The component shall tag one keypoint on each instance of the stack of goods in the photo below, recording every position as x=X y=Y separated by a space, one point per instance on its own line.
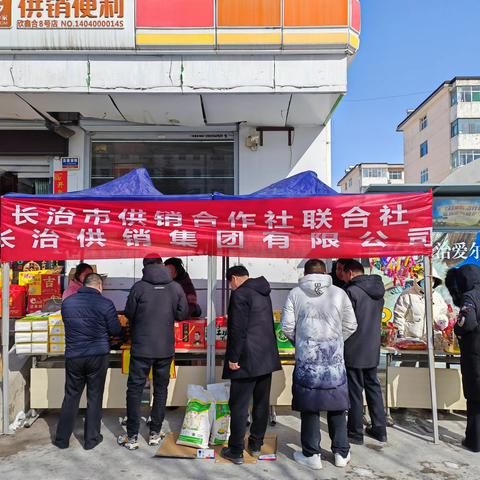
x=56 y=333
x=284 y=345
x=31 y=334
x=43 y=285
x=207 y=417
x=192 y=334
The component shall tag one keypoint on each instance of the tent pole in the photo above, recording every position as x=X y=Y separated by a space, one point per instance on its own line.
x=211 y=315
x=427 y=268
x=5 y=345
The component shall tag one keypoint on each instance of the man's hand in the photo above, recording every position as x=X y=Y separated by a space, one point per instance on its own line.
x=233 y=366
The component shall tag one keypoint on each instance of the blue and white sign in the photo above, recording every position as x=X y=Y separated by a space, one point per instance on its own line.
x=70 y=163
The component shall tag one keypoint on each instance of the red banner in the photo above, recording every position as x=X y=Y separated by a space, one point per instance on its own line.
x=323 y=227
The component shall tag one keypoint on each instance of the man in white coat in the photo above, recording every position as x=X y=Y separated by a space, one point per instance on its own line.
x=317 y=318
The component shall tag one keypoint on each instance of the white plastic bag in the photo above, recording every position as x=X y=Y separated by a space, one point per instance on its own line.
x=198 y=418
x=221 y=422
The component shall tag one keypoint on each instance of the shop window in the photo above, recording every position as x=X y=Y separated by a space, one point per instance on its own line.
x=249 y=13
x=175 y=167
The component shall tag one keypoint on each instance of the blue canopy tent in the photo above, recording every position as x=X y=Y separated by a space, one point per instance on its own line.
x=137 y=185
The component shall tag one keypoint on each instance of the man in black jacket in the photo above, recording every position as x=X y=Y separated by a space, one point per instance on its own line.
x=90 y=319
x=153 y=305
x=362 y=352
x=250 y=359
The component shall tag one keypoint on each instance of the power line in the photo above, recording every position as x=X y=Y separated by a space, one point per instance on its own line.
x=372 y=99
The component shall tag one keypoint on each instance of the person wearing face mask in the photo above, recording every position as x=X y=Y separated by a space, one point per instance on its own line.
x=464 y=287
x=409 y=311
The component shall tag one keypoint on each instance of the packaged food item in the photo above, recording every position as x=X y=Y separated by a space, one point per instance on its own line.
x=221 y=422
x=56 y=338
x=221 y=330
x=56 y=329
x=23 y=325
x=40 y=347
x=55 y=319
x=389 y=335
x=56 y=348
x=283 y=343
x=40 y=325
x=411 y=344
x=23 y=337
x=39 y=337
x=18 y=299
x=23 y=348
x=198 y=419
x=190 y=335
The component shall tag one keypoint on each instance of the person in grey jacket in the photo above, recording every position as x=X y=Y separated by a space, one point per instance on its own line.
x=153 y=305
x=318 y=317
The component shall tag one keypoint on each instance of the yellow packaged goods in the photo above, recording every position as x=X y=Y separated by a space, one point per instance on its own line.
x=23 y=325
x=23 y=348
x=56 y=330
x=55 y=319
x=39 y=337
x=39 y=347
x=57 y=348
x=23 y=337
x=40 y=325
x=57 y=339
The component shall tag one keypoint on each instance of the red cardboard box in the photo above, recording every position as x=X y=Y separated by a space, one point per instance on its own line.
x=51 y=284
x=18 y=301
x=37 y=302
x=190 y=335
x=221 y=333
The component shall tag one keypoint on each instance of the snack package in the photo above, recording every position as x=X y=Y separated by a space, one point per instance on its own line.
x=221 y=423
x=198 y=418
x=411 y=344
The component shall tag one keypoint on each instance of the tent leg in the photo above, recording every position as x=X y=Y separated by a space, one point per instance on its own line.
x=211 y=315
x=5 y=345
x=427 y=268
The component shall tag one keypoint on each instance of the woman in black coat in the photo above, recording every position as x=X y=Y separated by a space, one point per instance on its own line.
x=464 y=287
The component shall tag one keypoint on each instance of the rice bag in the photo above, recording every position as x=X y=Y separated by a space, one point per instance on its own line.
x=198 y=419
x=221 y=422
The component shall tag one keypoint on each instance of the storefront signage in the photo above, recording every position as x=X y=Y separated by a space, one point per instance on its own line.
x=457 y=212
x=70 y=163
x=328 y=227
x=48 y=24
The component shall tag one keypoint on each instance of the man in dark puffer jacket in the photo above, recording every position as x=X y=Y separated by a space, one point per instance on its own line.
x=153 y=305
x=90 y=319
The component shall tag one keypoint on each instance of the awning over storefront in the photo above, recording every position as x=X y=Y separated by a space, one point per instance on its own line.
x=297 y=217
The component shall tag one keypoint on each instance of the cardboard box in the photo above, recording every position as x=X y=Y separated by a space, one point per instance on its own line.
x=56 y=339
x=40 y=282
x=50 y=284
x=23 y=337
x=39 y=347
x=40 y=325
x=23 y=325
x=39 y=337
x=221 y=330
x=56 y=329
x=37 y=302
x=56 y=348
x=18 y=299
x=23 y=348
x=55 y=319
x=190 y=335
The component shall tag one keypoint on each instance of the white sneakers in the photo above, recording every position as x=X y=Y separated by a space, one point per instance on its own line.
x=314 y=462
x=342 y=462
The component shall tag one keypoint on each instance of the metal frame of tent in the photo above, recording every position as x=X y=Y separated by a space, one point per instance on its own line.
x=138 y=185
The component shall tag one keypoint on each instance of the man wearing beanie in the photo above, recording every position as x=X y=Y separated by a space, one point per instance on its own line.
x=153 y=305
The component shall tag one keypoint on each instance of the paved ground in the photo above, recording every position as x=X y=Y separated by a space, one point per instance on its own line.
x=30 y=455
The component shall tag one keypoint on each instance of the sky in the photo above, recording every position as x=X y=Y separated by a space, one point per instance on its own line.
x=408 y=48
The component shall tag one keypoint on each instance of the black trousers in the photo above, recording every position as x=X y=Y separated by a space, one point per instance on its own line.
x=472 y=434
x=241 y=391
x=337 y=430
x=139 y=370
x=358 y=381
x=89 y=371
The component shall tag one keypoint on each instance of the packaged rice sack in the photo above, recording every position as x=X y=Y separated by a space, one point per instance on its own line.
x=221 y=422
x=198 y=418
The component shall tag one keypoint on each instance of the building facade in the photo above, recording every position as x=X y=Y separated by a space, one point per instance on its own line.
x=358 y=178
x=208 y=95
x=443 y=133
